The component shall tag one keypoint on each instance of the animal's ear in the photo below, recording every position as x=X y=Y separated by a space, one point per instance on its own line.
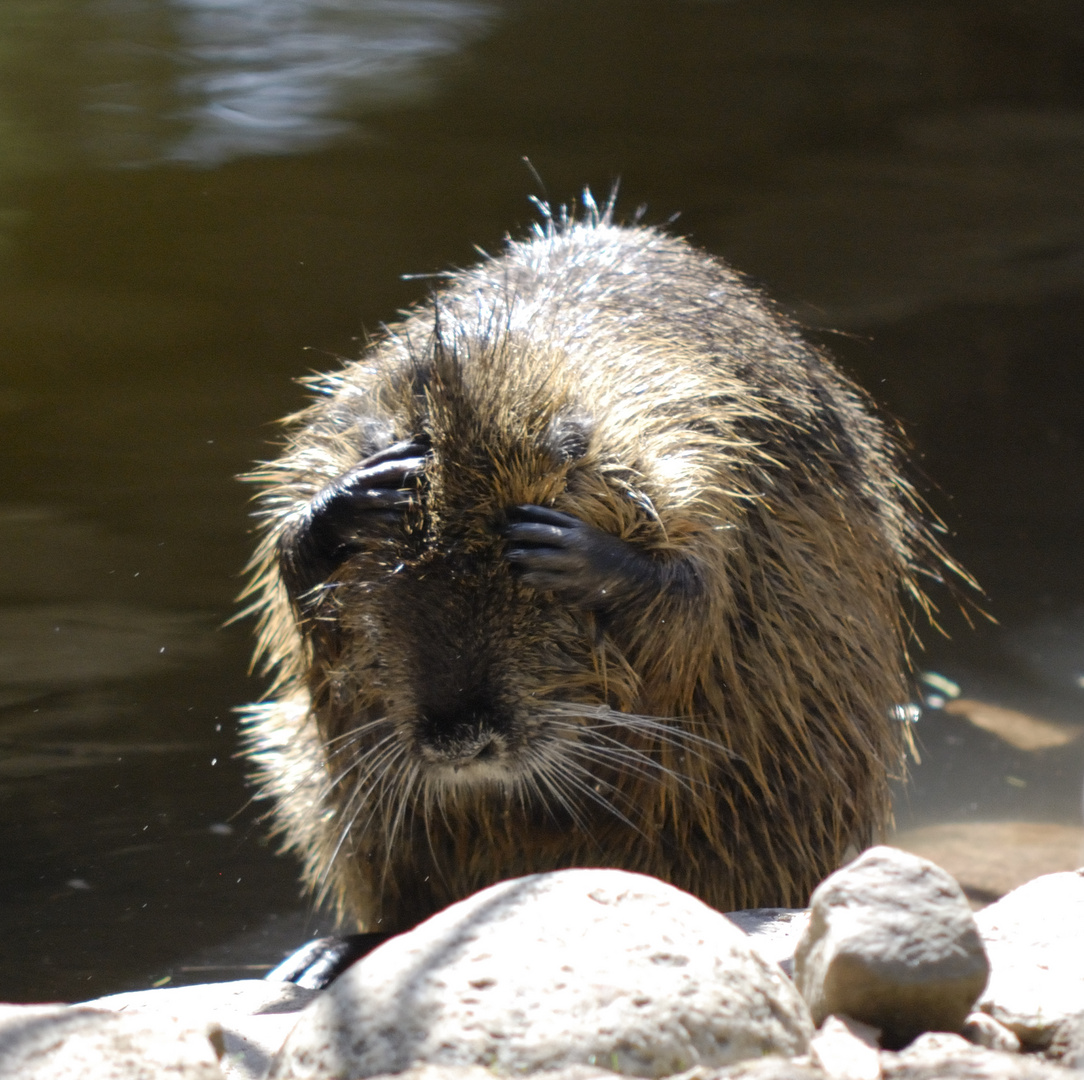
x=569 y=436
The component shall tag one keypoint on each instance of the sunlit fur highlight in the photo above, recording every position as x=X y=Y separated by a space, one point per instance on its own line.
x=732 y=733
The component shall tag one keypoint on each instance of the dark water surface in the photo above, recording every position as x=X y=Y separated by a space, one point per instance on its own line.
x=193 y=193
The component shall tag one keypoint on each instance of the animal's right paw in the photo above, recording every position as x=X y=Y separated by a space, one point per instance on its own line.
x=359 y=505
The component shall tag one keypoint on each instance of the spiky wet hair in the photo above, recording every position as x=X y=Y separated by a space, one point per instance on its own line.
x=730 y=731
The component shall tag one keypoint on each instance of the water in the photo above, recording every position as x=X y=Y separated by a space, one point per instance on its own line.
x=194 y=193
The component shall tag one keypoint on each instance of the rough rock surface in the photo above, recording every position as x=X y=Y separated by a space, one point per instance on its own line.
x=240 y=997
x=1067 y=1045
x=65 y=1042
x=596 y=967
x=1035 y=940
x=771 y=1068
x=938 y=1056
x=846 y=1049
x=891 y=942
x=254 y=1016
x=477 y=1072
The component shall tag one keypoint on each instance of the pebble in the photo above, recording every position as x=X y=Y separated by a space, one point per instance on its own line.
x=983 y=1030
x=892 y=942
x=846 y=1049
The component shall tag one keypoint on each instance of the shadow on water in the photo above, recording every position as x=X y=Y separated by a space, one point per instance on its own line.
x=192 y=193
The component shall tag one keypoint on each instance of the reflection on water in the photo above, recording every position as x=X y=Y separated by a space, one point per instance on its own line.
x=968 y=206
x=906 y=174
x=265 y=76
x=139 y=82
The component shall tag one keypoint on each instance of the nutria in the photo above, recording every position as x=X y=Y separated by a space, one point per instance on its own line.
x=590 y=560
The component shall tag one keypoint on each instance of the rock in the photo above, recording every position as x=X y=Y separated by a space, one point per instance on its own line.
x=770 y=1068
x=71 y=1042
x=254 y=1016
x=983 y=1030
x=241 y=997
x=891 y=942
x=477 y=1072
x=938 y=1056
x=1035 y=940
x=933 y=1043
x=774 y=932
x=1067 y=1045
x=587 y=967
x=846 y=1049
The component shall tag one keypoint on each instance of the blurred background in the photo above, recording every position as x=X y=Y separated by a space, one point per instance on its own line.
x=201 y=200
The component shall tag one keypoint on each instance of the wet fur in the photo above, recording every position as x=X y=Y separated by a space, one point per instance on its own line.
x=730 y=732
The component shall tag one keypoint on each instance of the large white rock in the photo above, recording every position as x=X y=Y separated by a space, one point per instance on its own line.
x=589 y=967
x=253 y=1016
x=1035 y=939
x=70 y=1042
x=892 y=942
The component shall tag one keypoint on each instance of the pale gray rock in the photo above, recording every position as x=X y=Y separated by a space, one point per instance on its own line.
x=773 y=931
x=932 y=1043
x=254 y=1016
x=940 y=1056
x=239 y=997
x=71 y=1042
x=983 y=1030
x=477 y=1072
x=588 y=967
x=846 y=1049
x=1035 y=940
x=1067 y=1045
x=769 y=1068
x=892 y=942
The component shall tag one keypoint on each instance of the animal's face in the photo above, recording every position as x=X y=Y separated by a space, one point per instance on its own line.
x=431 y=655
x=456 y=587
x=455 y=656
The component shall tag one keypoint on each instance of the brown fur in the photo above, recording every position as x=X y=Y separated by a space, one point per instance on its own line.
x=734 y=738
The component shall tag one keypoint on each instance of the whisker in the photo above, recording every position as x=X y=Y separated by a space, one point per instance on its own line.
x=570 y=774
x=546 y=774
x=367 y=760
x=361 y=793
x=403 y=800
x=602 y=717
x=591 y=744
x=633 y=761
x=357 y=731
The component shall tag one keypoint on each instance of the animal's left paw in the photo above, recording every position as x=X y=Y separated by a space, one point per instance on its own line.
x=556 y=552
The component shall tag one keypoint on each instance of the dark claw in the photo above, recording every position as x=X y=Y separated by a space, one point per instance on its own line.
x=318 y=964
x=366 y=501
x=408 y=448
x=555 y=552
x=544 y=515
